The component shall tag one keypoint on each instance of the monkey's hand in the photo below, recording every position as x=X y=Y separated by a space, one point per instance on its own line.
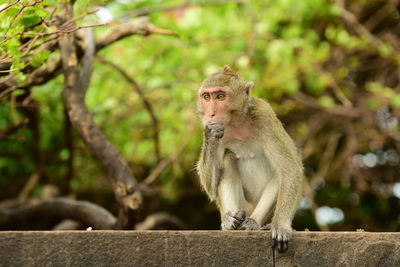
x=214 y=130
x=249 y=224
x=232 y=220
x=280 y=237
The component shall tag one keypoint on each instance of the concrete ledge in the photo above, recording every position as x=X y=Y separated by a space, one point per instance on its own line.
x=195 y=248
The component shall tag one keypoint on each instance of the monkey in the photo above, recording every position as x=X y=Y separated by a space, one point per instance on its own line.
x=248 y=165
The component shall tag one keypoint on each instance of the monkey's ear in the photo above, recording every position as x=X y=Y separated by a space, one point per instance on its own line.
x=249 y=85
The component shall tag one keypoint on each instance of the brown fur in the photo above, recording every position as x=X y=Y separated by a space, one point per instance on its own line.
x=266 y=180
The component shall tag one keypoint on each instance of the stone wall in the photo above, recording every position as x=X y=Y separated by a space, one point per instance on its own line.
x=195 y=248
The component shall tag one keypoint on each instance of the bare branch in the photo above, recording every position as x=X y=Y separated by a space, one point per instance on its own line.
x=126 y=188
x=29 y=186
x=337 y=110
x=67 y=225
x=63 y=31
x=43 y=74
x=140 y=26
x=378 y=16
x=8 y=6
x=314 y=207
x=63 y=208
x=336 y=89
x=145 y=101
x=357 y=26
x=161 y=221
x=69 y=144
x=5 y=71
x=159 y=8
x=167 y=161
x=7 y=131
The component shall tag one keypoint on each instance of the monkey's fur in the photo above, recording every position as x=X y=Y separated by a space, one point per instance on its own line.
x=248 y=164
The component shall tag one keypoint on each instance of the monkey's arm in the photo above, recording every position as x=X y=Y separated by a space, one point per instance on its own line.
x=288 y=181
x=209 y=171
x=289 y=171
x=268 y=198
x=209 y=165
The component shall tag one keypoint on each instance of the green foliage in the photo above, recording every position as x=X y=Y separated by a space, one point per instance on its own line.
x=19 y=24
x=289 y=48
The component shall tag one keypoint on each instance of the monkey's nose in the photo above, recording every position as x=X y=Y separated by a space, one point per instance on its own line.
x=212 y=116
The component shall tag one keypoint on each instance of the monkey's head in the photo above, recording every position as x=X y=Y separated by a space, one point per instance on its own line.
x=222 y=96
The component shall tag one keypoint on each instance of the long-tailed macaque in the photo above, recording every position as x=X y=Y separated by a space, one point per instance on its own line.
x=248 y=164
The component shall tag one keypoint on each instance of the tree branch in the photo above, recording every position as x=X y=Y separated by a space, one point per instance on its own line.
x=41 y=75
x=380 y=14
x=10 y=129
x=63 y=31
x=69 y=145
x=139 y=26
x=23 y=213
x=126 y=188
x=9 y=5
x=350 y=111
x=146 y=103
x=159 y=8
x=357 y=26
x=29 y=186
x=167 y=161
x=161 y=221
x=67 y=225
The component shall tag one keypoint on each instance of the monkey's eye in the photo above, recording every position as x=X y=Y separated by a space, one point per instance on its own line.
x=206 y=96
x=221 y=96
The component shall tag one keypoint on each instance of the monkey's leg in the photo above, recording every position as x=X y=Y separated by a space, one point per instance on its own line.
x=231 y=197
x=264 y=206
x=263 y=209
x=231 y=202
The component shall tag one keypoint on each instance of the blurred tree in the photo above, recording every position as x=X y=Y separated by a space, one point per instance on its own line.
x=329 y=68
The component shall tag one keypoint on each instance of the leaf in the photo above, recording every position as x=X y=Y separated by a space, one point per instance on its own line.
x=326 y=101
x=30 y=20
x=18 y=92
x=374 y=87
x=17 y=65
x=396 y=101
x=373 y=104
x=385 y=50
x=39 y=58
x=12 y=11
x=42 y=12
x=64 y=154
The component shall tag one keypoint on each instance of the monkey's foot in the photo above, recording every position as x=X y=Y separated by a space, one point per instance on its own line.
x=249 y=224
x=280 y=238
x=266 y=227
x=233 y=219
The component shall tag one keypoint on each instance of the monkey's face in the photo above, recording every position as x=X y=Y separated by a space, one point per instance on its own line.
x=224 y=97
x=214 y=104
